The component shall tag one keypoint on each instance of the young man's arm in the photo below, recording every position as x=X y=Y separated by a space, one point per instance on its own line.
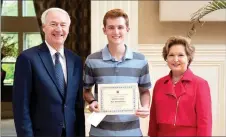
x=145 y=103
x=87 y=87
x=88 y=96
x=144 y=85
x=144 y=97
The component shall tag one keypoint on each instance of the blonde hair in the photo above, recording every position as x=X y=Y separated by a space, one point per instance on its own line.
x=175 y=40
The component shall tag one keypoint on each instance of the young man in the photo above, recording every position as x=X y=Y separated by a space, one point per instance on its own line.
x=116 y=63
x=47 y=90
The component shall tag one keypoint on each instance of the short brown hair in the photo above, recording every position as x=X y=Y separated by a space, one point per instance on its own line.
x=115 y=13
x=175 y=40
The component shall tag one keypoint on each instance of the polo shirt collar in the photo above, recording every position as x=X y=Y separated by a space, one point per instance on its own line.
x=107 y=55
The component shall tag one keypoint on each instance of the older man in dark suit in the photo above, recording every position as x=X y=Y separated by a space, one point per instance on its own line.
x=47 y=92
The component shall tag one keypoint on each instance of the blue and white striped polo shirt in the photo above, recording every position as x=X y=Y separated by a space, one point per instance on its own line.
x=102 y=68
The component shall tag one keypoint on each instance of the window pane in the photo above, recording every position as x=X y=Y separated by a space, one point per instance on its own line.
x=9 y=69
x=9 y=47
x=9 y=52
x=32 y=39
x=28 y=8
x=10 y=8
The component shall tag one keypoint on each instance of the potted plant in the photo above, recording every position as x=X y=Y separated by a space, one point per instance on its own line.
x=8 y=49
x=199 y=14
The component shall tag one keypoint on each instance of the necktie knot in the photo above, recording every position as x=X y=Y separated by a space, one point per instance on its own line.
x=57 y=56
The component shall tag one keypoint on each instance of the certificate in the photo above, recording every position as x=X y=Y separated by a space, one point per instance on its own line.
x=116 y=99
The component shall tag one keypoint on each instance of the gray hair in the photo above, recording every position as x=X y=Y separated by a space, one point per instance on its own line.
x=44 y=14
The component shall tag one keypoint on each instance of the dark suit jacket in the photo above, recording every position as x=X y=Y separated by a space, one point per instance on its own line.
x=38 y=105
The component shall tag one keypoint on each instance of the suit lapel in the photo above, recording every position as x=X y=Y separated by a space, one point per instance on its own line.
x=48 y=63
x=70 y=68
x=168 y=88
x=182 y=87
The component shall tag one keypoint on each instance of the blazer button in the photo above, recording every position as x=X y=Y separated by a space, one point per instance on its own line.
x=65 y=106
x=61 y=123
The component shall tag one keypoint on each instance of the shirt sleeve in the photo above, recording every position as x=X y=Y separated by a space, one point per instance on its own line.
x=88 y=75
x=144 y=79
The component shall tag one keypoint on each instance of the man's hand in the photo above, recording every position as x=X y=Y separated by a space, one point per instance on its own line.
x=143 y=112
x=94 y=107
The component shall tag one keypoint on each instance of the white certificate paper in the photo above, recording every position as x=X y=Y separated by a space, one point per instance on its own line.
x=95 y=118
x=116 y=99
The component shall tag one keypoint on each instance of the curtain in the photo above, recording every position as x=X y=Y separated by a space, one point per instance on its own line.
x=79 y=37
x=1 y=6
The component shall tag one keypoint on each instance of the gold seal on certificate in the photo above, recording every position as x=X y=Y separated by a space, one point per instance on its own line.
x=118 y=98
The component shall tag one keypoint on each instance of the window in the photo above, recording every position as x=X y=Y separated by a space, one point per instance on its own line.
x=9 y=42
x=25 y=33
x=10 y=8
x=28 y=9
x=31 y=39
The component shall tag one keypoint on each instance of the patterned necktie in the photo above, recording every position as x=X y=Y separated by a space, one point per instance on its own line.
x=59 y=73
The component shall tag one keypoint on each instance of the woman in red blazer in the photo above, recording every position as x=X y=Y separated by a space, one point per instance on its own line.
x=181 y=101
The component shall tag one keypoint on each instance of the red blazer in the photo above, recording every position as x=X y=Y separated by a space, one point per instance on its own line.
x=187 y=113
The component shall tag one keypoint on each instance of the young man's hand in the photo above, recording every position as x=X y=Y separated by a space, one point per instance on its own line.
x=143 y=112
x=94 y=107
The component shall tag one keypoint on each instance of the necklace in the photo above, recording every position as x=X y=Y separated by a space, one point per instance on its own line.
x=175 y=80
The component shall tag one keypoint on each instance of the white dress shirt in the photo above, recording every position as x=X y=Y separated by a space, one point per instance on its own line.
x=62 y=59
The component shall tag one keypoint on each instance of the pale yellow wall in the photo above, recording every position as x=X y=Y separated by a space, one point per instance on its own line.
x=152 y=31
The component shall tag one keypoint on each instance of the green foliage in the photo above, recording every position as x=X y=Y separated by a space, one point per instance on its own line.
x=8 y=49
x=10 y=8
x=8 y=46
x=199 y=14
x=9 y=68
x=212 y=6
